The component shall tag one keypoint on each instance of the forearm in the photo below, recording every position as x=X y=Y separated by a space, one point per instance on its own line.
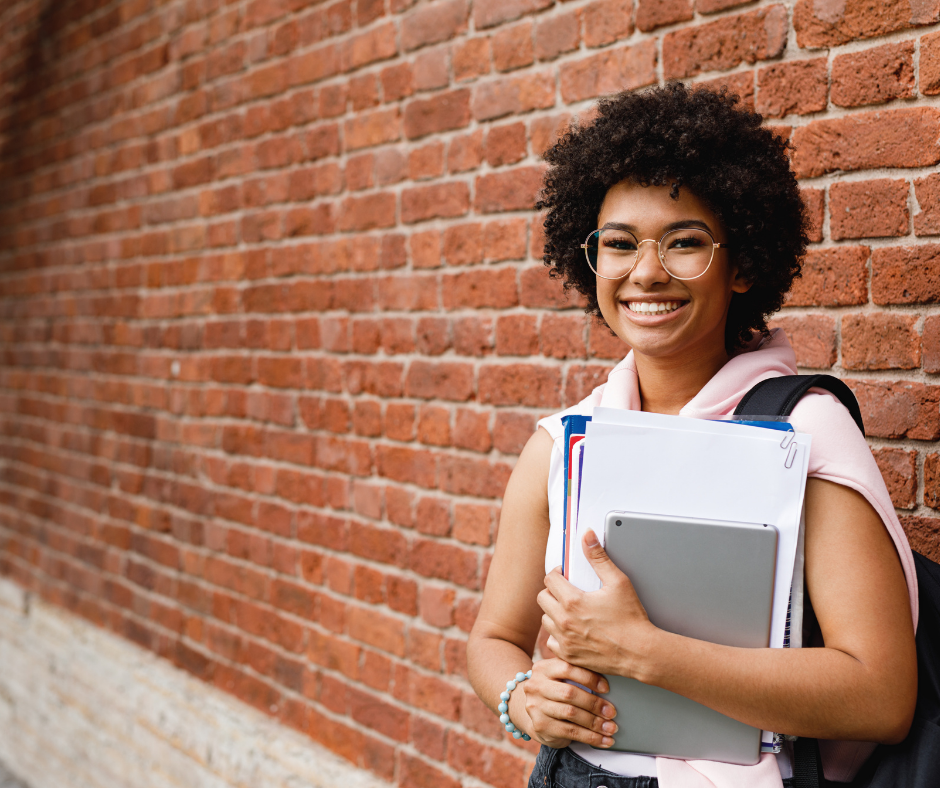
x=491 y=662
x=819 y=692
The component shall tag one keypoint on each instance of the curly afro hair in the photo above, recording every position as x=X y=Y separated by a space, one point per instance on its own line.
x=688 y=138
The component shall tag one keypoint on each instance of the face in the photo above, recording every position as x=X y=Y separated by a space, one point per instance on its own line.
x=691 y=315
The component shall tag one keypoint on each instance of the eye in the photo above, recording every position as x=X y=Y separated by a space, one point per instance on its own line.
x=682 y=239
x=618 y=242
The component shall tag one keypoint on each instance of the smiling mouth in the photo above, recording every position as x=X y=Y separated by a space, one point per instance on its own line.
x=654 y=307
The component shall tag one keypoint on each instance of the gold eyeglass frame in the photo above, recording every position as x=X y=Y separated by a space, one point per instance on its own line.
x=659 y=249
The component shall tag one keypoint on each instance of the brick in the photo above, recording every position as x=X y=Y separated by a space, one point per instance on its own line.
x=442 y=112
x=898 y=410
x=899 y=470
x=432 y=68
x=610 y=71
x=471 y=58
x=417 y=772
x=832 y=277
x=873 y=76
x=813 y=338
x=402 y=596
x=546 y=131
x=932 y=481
x=517 y=335
x=463 y=244
x=367 y=212
x=397 y=82
x=432 y=516
x=376 y=629
x=425 y=249
x=429 y=738
x=906 y=275
x=513 y=95
x=520 y=384
x=403 y=464
x=815 y=202
x=512 y=430
x=930 y=64
x=880 y=341
x=470 y=756
x=505 y=144
x=437 y=605
x=424 y=648
x=607 y=21
x=426 y=162
x=433 y=336
x=868 y=209
x=471 y=476
x=513 y=190
x=932 y=344
x=725 y=43
x=433 y=22
x=475 y=289
x=582 y=379
x=927 y=200
x=563 y=336
x=798 y=87
x=465 y=152
x=471 y=430
x=740 y=85
x=923 y=533
x=886 y=138
x=440 y=200
x=711 y=6
x=431 y=558
x=364 y=92
x=473 y=523
x=818 y=25
x=489 y=13
x=451 y=381
x=512 y=47
x=651 y=14
x=377 y=43
x=555 y=35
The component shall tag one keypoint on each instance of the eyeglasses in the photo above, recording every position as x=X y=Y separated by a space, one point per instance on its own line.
x=685 y=253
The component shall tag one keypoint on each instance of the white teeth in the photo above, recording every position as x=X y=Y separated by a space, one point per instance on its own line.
x=651 y=308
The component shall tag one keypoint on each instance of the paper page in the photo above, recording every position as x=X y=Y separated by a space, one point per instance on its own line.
x=693 y=468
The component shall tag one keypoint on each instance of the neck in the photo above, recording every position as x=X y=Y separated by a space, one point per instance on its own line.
x=668 y=384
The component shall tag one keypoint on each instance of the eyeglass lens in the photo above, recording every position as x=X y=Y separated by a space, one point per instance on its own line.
x=685 y=253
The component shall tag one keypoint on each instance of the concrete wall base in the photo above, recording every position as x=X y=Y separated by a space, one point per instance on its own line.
x=83 y=708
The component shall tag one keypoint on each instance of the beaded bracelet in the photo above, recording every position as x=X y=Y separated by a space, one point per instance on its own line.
x=504 y=706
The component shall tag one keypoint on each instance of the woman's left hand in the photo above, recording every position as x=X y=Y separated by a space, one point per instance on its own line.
x=606 y=631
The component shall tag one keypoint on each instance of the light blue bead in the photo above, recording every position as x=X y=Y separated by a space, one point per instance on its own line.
x=529 y=674
x=517 y=734
x=510 y=727
x=526 y=737
x=510 y=685
x=521 y=677
x=503 y=708
x=504 y=695
x=504 y=718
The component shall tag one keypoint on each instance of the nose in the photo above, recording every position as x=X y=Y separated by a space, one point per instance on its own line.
x=648 y=269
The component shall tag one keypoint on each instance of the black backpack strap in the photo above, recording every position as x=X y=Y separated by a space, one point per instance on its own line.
x=778 y=396
x=807 y=766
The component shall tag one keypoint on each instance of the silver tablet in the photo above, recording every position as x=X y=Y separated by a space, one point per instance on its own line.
x=706 y=579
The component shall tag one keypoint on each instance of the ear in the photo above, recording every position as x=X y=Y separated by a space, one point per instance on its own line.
x=738 y=283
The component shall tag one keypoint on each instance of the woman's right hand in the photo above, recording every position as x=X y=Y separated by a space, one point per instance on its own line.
x=560 y=713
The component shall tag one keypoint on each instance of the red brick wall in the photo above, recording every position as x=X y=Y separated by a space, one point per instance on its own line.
x=275 y=327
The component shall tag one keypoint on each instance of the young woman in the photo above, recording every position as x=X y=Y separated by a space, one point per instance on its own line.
x=677 y=216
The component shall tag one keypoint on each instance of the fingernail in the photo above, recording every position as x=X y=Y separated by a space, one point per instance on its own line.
x=609 y=727
x=607 y=742
x=607 y=711
x=603 y=686
x=591 y=538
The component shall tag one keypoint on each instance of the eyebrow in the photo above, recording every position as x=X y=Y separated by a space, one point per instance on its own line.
x=682 y=223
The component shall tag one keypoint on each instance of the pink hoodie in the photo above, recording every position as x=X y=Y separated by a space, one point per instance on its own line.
x=839 y=453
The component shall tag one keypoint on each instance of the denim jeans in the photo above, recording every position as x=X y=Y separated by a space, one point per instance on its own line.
x=564 y=769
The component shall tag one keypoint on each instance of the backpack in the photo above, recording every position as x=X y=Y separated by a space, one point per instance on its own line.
x=915 y=762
